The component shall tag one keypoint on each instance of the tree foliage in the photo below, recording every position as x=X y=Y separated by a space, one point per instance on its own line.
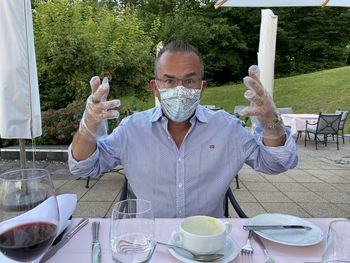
x=75 y=40
x=78 y=39
x=311 y=39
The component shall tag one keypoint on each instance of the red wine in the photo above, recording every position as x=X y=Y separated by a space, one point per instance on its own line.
x=27 y=242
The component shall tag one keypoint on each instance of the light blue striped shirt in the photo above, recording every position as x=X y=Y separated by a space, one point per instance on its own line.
x=192 y=179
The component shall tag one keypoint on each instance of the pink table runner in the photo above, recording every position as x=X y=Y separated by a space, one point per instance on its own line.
x=78 y=249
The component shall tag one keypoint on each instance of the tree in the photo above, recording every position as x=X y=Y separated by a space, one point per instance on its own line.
x=75 y=40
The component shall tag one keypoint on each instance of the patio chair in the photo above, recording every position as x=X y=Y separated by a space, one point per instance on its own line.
x=327 y=124
x=237 y=112
x=127 y=193
x=342 y=122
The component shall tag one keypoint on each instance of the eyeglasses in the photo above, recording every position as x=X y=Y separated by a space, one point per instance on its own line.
x=191 y=83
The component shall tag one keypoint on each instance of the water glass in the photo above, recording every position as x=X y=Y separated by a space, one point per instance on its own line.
x=337 y=245
x=132 y=231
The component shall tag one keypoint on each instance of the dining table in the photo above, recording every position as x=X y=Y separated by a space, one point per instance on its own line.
x=78 y=249
x=297 y=122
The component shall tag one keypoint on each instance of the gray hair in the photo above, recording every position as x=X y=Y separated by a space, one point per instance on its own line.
x=179 y=46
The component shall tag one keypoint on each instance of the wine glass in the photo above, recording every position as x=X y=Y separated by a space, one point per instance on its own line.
x=337 y=244
x=132 y=231
x=29 y=216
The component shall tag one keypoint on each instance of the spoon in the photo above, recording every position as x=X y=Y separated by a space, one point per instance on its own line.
x=126 y=246
x=198 y=257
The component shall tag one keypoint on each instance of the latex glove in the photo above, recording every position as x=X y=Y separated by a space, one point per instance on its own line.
x=262 y=109
x=94 y=124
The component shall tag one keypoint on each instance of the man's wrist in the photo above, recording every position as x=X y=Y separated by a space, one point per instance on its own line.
x=277 y=124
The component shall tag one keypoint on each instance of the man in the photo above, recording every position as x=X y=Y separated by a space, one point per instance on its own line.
x=181 y=156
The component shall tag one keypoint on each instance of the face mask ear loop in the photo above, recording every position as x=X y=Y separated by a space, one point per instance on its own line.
x=158 y=91
x=202 y=82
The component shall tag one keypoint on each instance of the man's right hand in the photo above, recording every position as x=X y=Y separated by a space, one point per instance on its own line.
x=93 y=124
x=98 y=110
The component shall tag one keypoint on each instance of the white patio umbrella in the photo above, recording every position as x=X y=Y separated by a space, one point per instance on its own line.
x=267 y=48
x=281 y=3
x=20 y=115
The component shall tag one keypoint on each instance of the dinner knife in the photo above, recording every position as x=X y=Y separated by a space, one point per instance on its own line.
x=53 y=249
x=96 y=246
x=274 y=227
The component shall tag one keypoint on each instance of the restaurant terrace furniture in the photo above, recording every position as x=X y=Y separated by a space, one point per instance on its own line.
x=212 y=107
x=287 y=110
x=327 y=124
x=297 y=122
x=342 y=121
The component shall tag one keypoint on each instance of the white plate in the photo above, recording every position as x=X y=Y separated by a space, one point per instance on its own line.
x=231 y=251
x=292 y=237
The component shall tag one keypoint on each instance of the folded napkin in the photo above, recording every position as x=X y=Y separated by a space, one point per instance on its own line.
x=66 y=205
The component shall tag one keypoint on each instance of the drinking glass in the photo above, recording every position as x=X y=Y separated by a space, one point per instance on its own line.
x=29 y=214
x=337 y=245
x=132 y=231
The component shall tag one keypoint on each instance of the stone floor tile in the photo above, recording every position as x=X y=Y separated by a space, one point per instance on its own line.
x=244 y=196
x=59 y=183
x=259 y=186
x=280 y=178
x=331 y=178
x=320 y=187
x=250 y=209
x=271 y=197
x=91 y=209
x=335 y=197
x=345 y=207
x=294 y=187
x=323 y=210
x=342 y=187
x=251 y=177
x=306 y=179
x=306 y=197
x=285 y=208
x=100 y=195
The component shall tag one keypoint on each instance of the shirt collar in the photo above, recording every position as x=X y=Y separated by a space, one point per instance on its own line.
x=156 y=114
x=199 y=114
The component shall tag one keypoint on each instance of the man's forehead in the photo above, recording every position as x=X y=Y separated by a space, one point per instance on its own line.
x=180 y=55
x=178 y=62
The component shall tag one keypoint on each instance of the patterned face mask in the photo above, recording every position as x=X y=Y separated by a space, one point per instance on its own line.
x=179 y=103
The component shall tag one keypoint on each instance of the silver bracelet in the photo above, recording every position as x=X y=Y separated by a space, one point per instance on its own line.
x=276 y=125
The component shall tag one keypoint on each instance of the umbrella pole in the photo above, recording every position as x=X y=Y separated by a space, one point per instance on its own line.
x=22 y=152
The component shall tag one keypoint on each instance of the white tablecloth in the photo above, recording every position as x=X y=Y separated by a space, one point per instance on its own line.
x=297 y=122
x=78 y=249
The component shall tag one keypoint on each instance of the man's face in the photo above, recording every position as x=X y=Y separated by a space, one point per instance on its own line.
x=180 y=66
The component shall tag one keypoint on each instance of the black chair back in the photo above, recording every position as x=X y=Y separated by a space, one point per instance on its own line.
x=328 y=124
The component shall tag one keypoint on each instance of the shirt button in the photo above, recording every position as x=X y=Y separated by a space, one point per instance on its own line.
x=179 y=159
x=180 y=185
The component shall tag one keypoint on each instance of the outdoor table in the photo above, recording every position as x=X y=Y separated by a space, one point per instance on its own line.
x=297 y=122
x=78 y=249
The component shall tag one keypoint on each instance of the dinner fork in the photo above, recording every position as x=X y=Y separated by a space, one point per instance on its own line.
x=269 y=259
x=247 y=248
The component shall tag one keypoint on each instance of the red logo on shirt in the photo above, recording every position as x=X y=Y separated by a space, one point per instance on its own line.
x=211 y=146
